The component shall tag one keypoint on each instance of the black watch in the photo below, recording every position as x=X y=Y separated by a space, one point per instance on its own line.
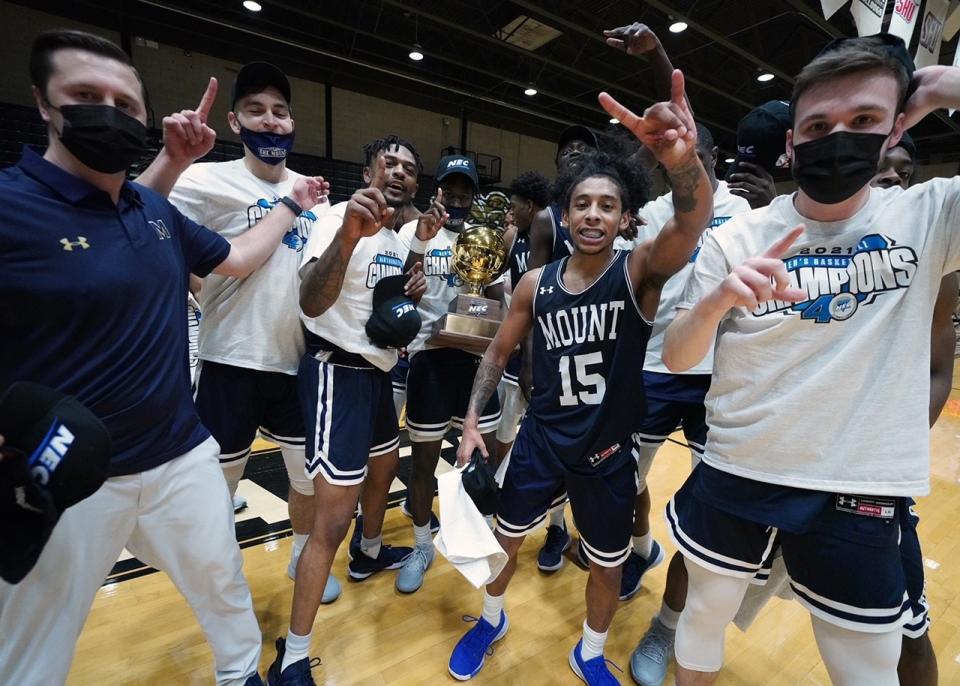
x=292 y=204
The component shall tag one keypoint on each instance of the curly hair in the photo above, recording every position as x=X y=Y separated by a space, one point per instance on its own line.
x=374 y=148
x=630 y=178
x=532 y=186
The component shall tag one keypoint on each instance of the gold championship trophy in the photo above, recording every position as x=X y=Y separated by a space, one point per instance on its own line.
x=479 y=257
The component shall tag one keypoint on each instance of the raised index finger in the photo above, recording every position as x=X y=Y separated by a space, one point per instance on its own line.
x=782 y=245
x=206 y=102
x=619 y=112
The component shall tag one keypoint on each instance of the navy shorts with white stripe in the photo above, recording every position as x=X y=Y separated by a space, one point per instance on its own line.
x=841 y=550
x=349 y=416
x=536 y=481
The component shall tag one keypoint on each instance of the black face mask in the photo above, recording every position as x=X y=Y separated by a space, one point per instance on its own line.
x=833 y=168
x=102 y=137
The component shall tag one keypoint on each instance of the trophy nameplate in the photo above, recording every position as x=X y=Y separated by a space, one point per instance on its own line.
x=479 y=257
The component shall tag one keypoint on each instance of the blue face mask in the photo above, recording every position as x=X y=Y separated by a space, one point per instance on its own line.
x=457 y=216
x=271 y=148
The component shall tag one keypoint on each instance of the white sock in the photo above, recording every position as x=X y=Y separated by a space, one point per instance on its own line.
x=298 y=647
x=299 y=540
x=556 y=518
x=592 y=644
x=643 y=545
x=370 y=546
x=668 y=617
x=422 y=536
x=492 y=606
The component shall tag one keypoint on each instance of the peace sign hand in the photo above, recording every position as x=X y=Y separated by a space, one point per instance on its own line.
x=666 y=128
x=186 y=135
x=761 y=278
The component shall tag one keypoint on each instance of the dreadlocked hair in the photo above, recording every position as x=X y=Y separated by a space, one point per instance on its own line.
x=630 y=178
x=374 y=148
x=532 y=186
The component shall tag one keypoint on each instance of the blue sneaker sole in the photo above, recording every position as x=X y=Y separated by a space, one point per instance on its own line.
x=467 y=677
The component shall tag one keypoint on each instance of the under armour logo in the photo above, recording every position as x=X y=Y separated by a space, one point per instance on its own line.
x=847 y=502
x=162 y=231
x=69 y=245
x=544 y=290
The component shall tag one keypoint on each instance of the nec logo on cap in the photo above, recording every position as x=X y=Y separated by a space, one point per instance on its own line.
x=458 y=163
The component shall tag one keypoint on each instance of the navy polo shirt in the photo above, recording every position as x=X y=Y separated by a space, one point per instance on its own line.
x=93 y=303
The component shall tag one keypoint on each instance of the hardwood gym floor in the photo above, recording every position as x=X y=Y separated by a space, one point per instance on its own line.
x=142 y=632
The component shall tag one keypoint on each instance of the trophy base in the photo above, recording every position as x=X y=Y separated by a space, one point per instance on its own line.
x=463 y=332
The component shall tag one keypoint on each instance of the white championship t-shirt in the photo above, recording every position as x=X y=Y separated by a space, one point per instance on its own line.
x=657 y=213
x=374 y=258
x=443 y=284
x=250 y=322
x=832 y=393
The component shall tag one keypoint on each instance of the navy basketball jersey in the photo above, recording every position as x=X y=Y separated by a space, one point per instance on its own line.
x=519 y=256
x=562 y=243
x=588 y=351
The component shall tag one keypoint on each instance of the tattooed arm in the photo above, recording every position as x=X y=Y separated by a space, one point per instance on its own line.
x=322 y=278
x=517 y=324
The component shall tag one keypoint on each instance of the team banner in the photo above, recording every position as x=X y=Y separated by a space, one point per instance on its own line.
x=931 y=33
x=904 y=19
x=868 y=16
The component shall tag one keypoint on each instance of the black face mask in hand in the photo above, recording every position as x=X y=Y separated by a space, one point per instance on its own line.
x=833 y=168
x=102 y=137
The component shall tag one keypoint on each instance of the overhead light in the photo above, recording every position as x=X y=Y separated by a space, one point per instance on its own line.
x=416 y=54
x=252 y=5
x=530 y=91
x=614 y=120
x=764 y=77
x=678 y=27
x=729 y=160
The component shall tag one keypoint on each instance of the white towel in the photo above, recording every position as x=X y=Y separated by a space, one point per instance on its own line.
x=465 y=538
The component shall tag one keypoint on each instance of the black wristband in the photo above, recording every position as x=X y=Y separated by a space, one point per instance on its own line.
x=292 y=204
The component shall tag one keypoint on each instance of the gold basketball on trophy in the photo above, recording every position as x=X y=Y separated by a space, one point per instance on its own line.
x=479 y=257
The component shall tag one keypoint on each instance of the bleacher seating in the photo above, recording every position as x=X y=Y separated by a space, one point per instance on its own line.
x=21 y=126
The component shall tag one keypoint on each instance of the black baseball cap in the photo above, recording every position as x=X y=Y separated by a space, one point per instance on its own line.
x=56 y=453
x=906 y=142
x=577 y=133
x=479 y=482
x=255 y=76
x=457 y=164
x=762 y=135
x=395 y=320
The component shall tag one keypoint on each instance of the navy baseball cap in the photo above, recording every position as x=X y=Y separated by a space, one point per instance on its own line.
x=255 y=76
x=395 y=320
x=56 y=453
x=762 y=135
x=577 y=133
x=906 y=142
x=457 y=164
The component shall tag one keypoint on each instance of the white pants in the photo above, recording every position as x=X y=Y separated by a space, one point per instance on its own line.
x=177 y=518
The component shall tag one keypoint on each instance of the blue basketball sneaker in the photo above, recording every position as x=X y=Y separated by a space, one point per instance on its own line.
x=550 y=557
x=297 y=674
x=472 y=649
x=650 y=659
x=635 y=567
x=594 y=671
x=415 y=566
x=330 y=592
x=434 y=522
x=362 y=566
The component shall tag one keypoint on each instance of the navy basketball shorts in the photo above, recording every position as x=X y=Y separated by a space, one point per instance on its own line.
x=912 y=559
x=511 y=373
x=845 y=564
x=233 y=402
x=535 y=481
x=349 y=415
x=674 y=401
x=398 y=375
x=438 y=391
